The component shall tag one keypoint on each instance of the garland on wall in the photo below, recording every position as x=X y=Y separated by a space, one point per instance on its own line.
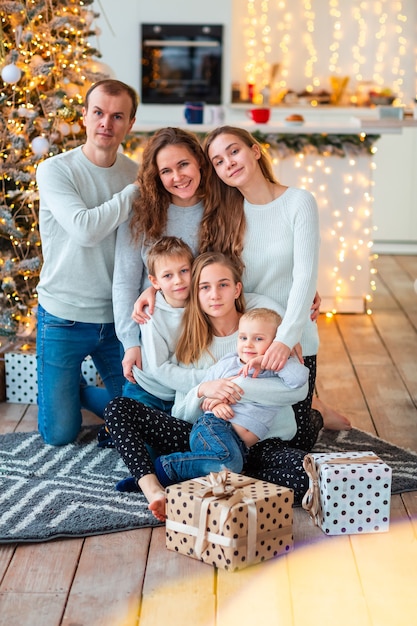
x=285 y=145
x=288 y=145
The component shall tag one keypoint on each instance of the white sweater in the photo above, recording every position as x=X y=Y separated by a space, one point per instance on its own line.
x=281 y=255
x=81 y=206
x=160 y=374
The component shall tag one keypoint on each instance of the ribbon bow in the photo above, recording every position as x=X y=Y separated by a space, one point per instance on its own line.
x=216 y=484
x=311 y=500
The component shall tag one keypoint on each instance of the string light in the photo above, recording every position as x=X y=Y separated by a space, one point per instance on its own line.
x=368 y=41
x=312 y=80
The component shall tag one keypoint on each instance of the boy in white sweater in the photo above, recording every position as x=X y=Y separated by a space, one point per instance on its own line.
x=169 y=265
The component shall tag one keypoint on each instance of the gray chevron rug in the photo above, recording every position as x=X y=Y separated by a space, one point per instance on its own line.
x=47 y=493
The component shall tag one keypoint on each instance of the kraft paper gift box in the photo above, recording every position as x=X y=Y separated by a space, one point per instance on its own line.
x=229 y=520
x=349 y=492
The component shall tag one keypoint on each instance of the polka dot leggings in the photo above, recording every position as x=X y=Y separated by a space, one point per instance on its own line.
x=133 y=425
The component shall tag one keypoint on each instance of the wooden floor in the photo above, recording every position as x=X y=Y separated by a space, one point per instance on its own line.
x=367 y=368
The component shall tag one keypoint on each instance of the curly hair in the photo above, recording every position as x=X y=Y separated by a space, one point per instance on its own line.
x=150 y=209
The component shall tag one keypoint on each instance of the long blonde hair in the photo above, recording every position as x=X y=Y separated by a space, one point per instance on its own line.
x=223 y=225
x=196 y=330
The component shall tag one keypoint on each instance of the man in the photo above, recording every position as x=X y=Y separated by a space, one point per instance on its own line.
x=85 y=194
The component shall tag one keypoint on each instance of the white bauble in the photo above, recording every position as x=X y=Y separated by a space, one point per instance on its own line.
x=75 y=128
x=11 y=73
x=40 y=145
x=64 y=129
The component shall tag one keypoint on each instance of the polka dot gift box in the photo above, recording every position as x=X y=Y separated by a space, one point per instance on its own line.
x=21 y=377
x=349 y=492
x=229 y=520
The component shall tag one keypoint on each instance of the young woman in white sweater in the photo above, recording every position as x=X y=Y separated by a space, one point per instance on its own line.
x=274 y=229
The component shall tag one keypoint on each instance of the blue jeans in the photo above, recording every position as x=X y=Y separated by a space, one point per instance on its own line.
x=138 y=393
x=61 y=347
x=214 y=445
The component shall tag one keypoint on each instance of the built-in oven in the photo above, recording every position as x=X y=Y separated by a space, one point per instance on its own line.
x=181 y=62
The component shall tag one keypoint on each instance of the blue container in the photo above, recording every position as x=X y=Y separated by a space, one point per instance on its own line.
x=194 y=112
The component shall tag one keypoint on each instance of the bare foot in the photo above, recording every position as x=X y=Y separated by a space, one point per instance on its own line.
x=155 y=495
x=332 y=419
x=157 y=507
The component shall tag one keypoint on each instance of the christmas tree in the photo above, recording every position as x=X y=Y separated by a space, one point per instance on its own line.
x=47 y=64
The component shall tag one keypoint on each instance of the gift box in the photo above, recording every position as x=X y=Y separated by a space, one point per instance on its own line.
x=229 y=520
x=21 y=377
x=21 y=374
x=349 y=492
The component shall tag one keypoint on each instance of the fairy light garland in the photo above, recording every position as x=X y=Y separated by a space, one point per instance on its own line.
x=402 y=48
x=313 y=81
x=257 y=33
x=334 y=12
x=358 y=49
x=369 y=42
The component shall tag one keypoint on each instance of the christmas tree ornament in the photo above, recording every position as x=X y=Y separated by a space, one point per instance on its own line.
x=11 y=74
x=44 y=75
x=67 y=113
x=40 y=145
x=64 y=129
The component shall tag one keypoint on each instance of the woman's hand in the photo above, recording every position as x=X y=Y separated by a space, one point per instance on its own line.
x=146 y=299
x=223 y=389
x=315 y=308
x=133 y=356
x=276 y=356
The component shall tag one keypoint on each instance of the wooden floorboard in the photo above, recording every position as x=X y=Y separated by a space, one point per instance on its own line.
x=366 y=369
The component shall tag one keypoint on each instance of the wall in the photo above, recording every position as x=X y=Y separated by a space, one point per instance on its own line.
x=118 y=42
x=372 y=42
x=376 y=41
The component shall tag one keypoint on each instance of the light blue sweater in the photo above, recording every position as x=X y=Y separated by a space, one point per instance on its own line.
x=81 y=206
